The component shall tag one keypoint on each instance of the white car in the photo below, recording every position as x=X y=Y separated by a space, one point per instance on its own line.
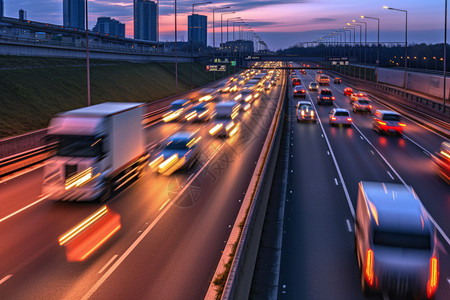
x=340 y=116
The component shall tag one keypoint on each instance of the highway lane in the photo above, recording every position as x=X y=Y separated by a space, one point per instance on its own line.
x=180 y=253
x=318 y=244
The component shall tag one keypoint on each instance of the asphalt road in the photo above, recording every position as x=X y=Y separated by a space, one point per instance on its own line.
x=325 y=165
x=173 y=228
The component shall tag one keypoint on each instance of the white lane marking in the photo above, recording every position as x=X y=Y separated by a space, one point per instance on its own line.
x=130 y=249
x=361 y=137
x=5 y=278
x=347 y=196
x=390 y=175
x=328 y=152
x=23 y=208
x=423 y=149
x=447 y=239
x=164 y=204
x=385 y=296
x=335 y=181
x=448 y=280
x=371 y=151
x=21 y=173
x=107 y=264
x=349 y=225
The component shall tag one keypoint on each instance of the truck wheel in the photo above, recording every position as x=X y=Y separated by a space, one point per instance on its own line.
x=107 y=192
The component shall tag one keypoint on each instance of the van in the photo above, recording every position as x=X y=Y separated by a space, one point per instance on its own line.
x=395 y=241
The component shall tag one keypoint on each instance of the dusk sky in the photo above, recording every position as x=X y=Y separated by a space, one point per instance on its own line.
x=280 y=23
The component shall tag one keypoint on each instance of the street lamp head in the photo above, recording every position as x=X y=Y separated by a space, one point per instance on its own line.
x=348 y=24
x=353 y=21
x=386 y=7
x=362 y=17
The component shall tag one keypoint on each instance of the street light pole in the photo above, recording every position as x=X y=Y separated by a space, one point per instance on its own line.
x=378 y=39
x=406 y=39
x=360 y=45
x=221 y=25
x=214 y=24
x=365 y=46
x=87 y=57
x=176 y=55
x=192 y=39
x=445 y=57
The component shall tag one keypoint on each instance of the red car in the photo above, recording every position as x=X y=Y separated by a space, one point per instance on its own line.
x=296 y=81
x=387 y=121
x=348 y=91
x=299 y=91
x=442 y=161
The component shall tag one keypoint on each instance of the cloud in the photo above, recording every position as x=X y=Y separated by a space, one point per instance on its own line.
x=324 y=20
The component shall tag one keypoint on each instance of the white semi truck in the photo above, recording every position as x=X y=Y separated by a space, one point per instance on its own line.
x=100 y=149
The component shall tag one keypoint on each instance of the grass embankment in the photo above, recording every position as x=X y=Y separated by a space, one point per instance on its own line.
x=41 y=87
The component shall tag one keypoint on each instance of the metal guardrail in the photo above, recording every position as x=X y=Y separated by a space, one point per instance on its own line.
x=239 y=279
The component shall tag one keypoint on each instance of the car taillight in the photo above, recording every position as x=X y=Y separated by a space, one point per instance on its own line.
x=402 y=124
x=368 y=272
x=349 y=119
x=370 y=106
x=303 y=113
x=312 y=113
x=432 y=283
x=381 y=122
x=333 y=118
x=295 y=91
x=303 y=91
x=332 y=98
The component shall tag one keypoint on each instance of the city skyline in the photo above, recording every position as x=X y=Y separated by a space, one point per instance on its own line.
x=280 y=23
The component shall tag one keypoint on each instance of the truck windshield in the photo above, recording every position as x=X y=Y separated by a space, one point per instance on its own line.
x=79 y=146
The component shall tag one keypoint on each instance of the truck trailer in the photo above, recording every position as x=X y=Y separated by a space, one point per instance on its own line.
x=100 y=149
x=322 y=79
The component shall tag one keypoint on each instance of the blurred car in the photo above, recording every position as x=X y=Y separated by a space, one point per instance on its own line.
x=305 y=111
x=359 y=95
x=313 y=86
x=319 y=72
x=199 y=113
x=348 y=91
x=225 y=120
x=179 y=152
x=340 y=116
x=299 y=91
x=303 y=72
x=296 y=81
x=362 y=105
x=386 y=121
x=267 y=85
x=337 y=80
x=325 y=96
x=176 y=110
x=442 y=161
x=395 y=242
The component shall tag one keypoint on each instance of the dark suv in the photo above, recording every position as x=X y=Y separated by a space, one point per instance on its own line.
x=325 y=96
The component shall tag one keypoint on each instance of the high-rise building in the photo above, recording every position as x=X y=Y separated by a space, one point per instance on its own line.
x=197 y=27
x=73 y=14
x=1 y=8
x=109 y=26
x=145 y=20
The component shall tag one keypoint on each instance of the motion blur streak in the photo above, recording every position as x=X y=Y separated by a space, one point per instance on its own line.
x=85 y=238
x=369 y=267
x=434 y=277
x=79 y=179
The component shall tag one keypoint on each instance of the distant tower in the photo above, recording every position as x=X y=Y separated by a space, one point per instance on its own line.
x=22 y=15
x=197 y=26
x=73 y=14
x=145 y=20
x=106 y=25
x=1 y=8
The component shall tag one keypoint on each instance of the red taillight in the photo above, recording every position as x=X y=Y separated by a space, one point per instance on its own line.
x=381 y=122
x=368 y=273
x=333 y=118
x=349 y=119
x=332 y=98
x=402 y=124
x=432 y=283
x=370 y=106
x=303 y=91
